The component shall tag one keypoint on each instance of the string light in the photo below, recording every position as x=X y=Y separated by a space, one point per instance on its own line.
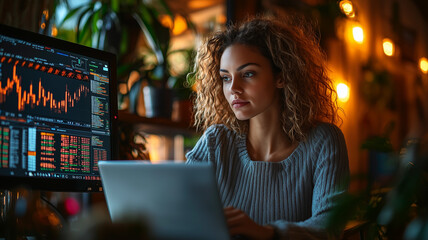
x=388 y=47
x=166 y=21
x=177 y=25
x=358 y=34
x=180 y=25
x=347 y=8
x=423 y=65
x=54 y=31
x=46 y=13
x=342 y=92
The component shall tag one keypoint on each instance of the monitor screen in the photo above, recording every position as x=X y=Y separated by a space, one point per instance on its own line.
x=58 y=108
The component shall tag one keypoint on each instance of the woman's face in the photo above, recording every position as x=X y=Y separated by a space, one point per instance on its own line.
x=249 y=85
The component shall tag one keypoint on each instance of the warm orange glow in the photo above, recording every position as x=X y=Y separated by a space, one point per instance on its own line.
x=198 y=4
x=180 y=25
x=195 y=86
x=156 y=147
x=221 y=19
x=347 y=8
x=423 y=65
x=54 y=31
x=43 y=26
x=46 y=13
x=342 y=92
x=166 y=21
x=388 y=47
x=358 y=34
x=177 y=26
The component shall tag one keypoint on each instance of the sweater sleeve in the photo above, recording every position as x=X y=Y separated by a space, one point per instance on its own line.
x=201 y=151
x=330 y=180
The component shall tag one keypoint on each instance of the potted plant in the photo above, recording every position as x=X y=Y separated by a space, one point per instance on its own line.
x=115 y=26
x=162 y=83
x=177 y=92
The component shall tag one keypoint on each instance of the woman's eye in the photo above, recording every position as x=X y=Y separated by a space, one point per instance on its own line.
x=225 y=78
x=248 y=74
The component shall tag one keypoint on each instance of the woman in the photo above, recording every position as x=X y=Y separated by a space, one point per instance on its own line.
x=266 y=105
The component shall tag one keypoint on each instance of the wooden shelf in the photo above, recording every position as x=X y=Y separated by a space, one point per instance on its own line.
x=156 y=125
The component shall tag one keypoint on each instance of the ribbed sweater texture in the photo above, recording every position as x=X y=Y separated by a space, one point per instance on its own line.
x=293 y=195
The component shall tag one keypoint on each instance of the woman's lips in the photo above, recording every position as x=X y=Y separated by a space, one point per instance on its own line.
x=239 y=103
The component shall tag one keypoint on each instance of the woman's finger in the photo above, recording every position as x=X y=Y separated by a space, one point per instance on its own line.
x=230 y=212
x=236 y=220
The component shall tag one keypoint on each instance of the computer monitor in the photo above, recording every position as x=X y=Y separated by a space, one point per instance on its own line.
x=58 y=111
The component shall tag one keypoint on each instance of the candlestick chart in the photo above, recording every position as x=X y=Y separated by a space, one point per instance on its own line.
x=33 y=88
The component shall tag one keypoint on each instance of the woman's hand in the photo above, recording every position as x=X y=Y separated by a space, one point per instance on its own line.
x=240 y=224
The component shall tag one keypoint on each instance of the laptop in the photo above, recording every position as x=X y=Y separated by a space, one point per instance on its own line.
x=177 y=201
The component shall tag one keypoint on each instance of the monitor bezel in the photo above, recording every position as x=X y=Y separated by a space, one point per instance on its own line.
x=58 y=184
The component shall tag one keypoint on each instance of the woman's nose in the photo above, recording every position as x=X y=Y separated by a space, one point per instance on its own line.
x=236 y=85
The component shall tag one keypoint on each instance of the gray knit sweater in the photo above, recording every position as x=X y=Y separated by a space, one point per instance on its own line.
x=294 y=195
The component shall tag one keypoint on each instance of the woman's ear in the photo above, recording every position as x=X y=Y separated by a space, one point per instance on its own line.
x=280 y=83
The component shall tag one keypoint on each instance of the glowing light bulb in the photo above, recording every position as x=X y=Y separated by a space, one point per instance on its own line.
x=342 y=92
x=46 y=13
x=177 y=25
x=347 y=8
x=423 y=65
x=388 y=47
x=54 y=31
x=180 y=25
x=166 y=21
x=358 y=34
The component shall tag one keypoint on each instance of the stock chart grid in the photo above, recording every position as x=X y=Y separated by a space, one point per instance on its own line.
x=54 y=118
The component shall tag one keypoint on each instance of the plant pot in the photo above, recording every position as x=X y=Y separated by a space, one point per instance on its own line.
x=158 y=102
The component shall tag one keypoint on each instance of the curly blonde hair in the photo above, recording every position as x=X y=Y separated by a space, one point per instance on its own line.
x=293 y=50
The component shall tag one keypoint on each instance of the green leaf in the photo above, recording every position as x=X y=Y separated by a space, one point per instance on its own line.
x=79 y=22
x=115 y=5
x=103 y=12
x=86 y=31
x=87 y=39
x=70 y=14
x=165 y=8
x=124 y=41
x=95 y=19
x=149 y=33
